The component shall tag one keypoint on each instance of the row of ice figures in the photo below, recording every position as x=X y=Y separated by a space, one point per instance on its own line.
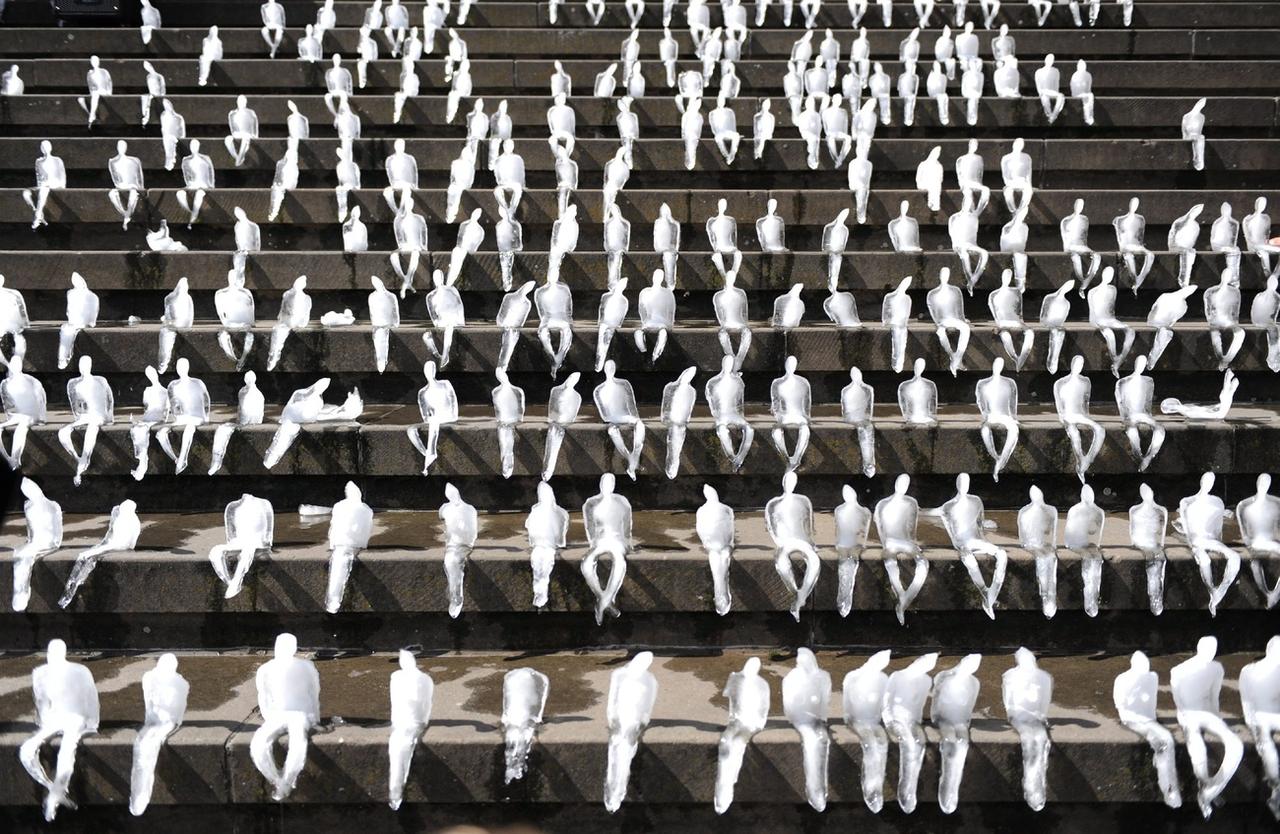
x=878 y=707
x=789 y=520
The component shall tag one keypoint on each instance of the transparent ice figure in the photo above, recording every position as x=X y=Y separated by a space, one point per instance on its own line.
x=1082 y=535
x=1135 y=693
x=714 y=525
x=1148 y=522
x=306 y=406
x=1199 y=522
x=748 y=695
x=438 y=406
x=524 y=696
x=1102 y=316
x=66 y=707
x=607 y=520
x=955 y=691
x=1196 y=684
x=918 y=398
x=412 y=692
x=1027 y=692
x=460 y=524
x=789 y=522
x=895 y=314
x=1038 y=536
x=508 y=412
x=295 y=314
x=1260 y=698
x=43 y=518
x=123 y=530
x=853 y=524
x=547 y=526
x=289 y=704
x=563 y=405
x=964 y=518
x=678 y=400
x=863 y=693
x=164 y=699
x=806 y=695
x=946 y=308
x=1005 y=304
x=615 y=401
x=1259 y=520
x=350 y=526
x=1071 y=394
x=250 y=411
x=656 y=306
x=633 y=689
x=92 y=406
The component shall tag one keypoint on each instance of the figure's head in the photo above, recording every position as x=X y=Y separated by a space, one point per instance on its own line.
x=293 y=108
x=1207 y=647
x=151 y=374
x=722 y=205
x=607 y=483
x=918 y=366
x=1206 y=482
x=1140 y=364
x=250 y=379
x=641 y=662
x=726 y=364
x=167 y=663
x=93 y=61
x=407 y=661
x=1146 y=493
x=1078 y=205
x=239 y=214
x=901 y=484
x=849 y=494
x=1019 y=144
x=789 y=364
x=1086 y=494
x=1264 y=482
x=546 y=495
x=1077 y=364
x=351 y=492
x=451 y=493
x=122 y=147
x=789 y=482
x=962 y=483
x=57 y=651
x=1024 y=658
x=1139 y=663
x=242 y=101
x=997 y=366
x=183 y=366
x=86 y=365
x=286 y=645
x=1108 y=275
x=709 y=493
x=31 y=489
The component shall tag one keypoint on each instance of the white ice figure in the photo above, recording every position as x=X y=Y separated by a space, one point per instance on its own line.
x=788 y=309
x=384 y=316
x=25 y=405
x=842 y=308
x=127 y=183
x=1193 y=132
x=1071 y=394
x=918 y=398
x=1027 y=691
x=972 y=82
x=11 y=83
x=444 y=307
x=289 y=703
x=1167 y=310
x=122 y=533
x=722 y=233
x=412 y=692
x=350 y=526
x=1199 y=522
x=617 y=241
x=150 y=18
x=461 y=527
x=284 y=180
x=179 y=314
x=438 y=406
x=895 y=314
x=607 y=521
x=547 y=526
x=1082 y=535
x=82 y=313
x=806 y=695
x=1260 y=699
x=1049 y=89
x=524 y=696
x=771 y=230
x=395 y=25
x=730 y=305
x=509 y=235
x=790 y=400
x=724 y=129
x=678 y=400
x=860 y=173
x=1222 y=314
x=51 y=175
x=714 y=525
x=962 y=229
x=1135 y=395
x=210 y=53
x=98 y=83
x=896 y=518
x=161 y=241
x=1211 y=411
x=1259 y=520
x=1148 y=522
x=1135 y=693
x=366 y=53
x=946 y=308
x=633 y=689
x=1257 y=236
x=43 y=518
x=808 y=122
x=164 y=699
x=614 y=305
x=835 y=127
x=92 y=406
x=1005 y=304
x=1131 y=229
x=656 y=306
x=963 y=517
x=564 y=240
x=1038 y=536
x=853 y=525
x=462 y=175
x=250 y=411
x=410 y=230
x=617 y=171
x=615 y=401
x=997 y=398
x=955 y=692
x=1102 y=316
x=929 y=175
x=554 y=303
x=66 y=706
x=904 y=230
x=902 y=712
x=508 y=412
x=935 y=86
x=863 y=694
x=666 y=242
x=402 y=175
x=563 y=405
x=1263 y=313
x=306 y=406
x=273 y=24
x=970 y=169
x=725 y=394
x=155 y=411
x=1196 y=684
x=250 y=523
x=748 y=695
x=789 y=521
x=1184 y=235
x=243 y=127
x=1007 y=77
x=857 y=408
x=1224 y=238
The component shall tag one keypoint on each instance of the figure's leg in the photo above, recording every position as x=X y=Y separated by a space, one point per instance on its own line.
x=1091 y=577
x=1162 y=340
x=400 y=747
x=243 y=563
x=953 y=747
x=455 y=567
x=543 y=560
x=1034 y=738
x=146 y=752
x=341 y=560
x=1056 y=337
x=675 y=443
x=911 y=745
x=281 y=441
x=296 y=757
x=555 y=436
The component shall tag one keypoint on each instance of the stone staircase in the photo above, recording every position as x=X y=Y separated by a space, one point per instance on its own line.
x=165 y=596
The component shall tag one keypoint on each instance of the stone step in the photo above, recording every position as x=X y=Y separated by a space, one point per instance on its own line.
x=667 y=573
x=1094 y=759
x=507 y=76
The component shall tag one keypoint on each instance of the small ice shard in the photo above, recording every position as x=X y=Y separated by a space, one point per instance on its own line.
x=1027 y=691
x=164 y=699
x=307 y=406
x=714 y=525
x=524 y=696
x=25 y=405
x=1083 y=536
x=853 y=524
x=863 y=695
x=1260 y=698
x=806 y=694
x=632 y=692
x=955 y=691
x=289 y=703
x=1135 y=693
x=1038 y=536
x=461 y=527
x=1071 y=400
x=250 y=523
x=438 y=406
x=725 y=394
x=1199 y=522
x=997 y=398
x=66 y=706
x=607 y=519
x=789 y=522
x=903 y=713
x=92 y=407
x=896 y=518
x=1134 y=396
x=615 y=401
x=350 y=526
x=748 y=695
x=122 y=536
x=1259 y=520
x=918 y=398
x=946 y=308
x=547 y=526
x=508 y=412
x=412 y=691
x=963 y=517
x=1148 y=522
x=251 y=406
x=1196 y=684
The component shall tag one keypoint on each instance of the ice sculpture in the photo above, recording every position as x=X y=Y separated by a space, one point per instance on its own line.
x=1134 y=396
x=613 y=312
x=188 y=408
x=896 y=518
x=1167 y=310
x=607 y=520
x=1211 y=411
x=1222 y=314
x=384 y=316
x=164 y=699
x=1082 y=535
x=962 y=229
x=791 y=400
x=857 y=407
x=1147 y=524
x=25 y=405
x=929 y=174
x=955 y=692
x=997 y=398
x=722 y=233
x=250 y=411
x=554 y=302
x=1196 y=684
x=66 y=706
x=250 y=523
x=563 y=405
x=126 y=181
x=863 y=694
x=1257 y=236
x=657 y=308
x=161 y=241
x=789 y=521
x=678 y=400
x=1135 y=693
x=902 y=713
x=43 y=518
x=438 y=406
x=617 y=240
x=1193 y=132
x=725 y=394
x=1184 y=235
x=1199 y=522
x=1005 y=304
x=305 y=406
x=524 y=696
x=633 y=689
x=509 y=234
x=410 y=230
x=470 y=237
x=946 y=308
x=150 y=18
x=904 y=230
x=1224 y=236
x=197 y=181
x=155 y=411
x=1260 y=698
x=1131 y=229
x=350 y=525
x=615 y=401
x=1027 y=691
x=1258 y=517
x=895 y=314
x=508 y=412
x=412 y=692
x=788 y=309
x=289 y=702
x=1071 y=395
x=666 y=242
x=1038 y=536
x=82 y=313
x=122 y=533
x=444 y=306
x=92 y=407
x=547 y=526
x=294 y=314
x=918 y=398
x=242 y=124
x=963 y=517
x=806 y=694
x=1102 y=315
x=1016 y=172
x=51 y=175
x=210 y=52
x=98 y=84
x=460 y=523
x=748 y=695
